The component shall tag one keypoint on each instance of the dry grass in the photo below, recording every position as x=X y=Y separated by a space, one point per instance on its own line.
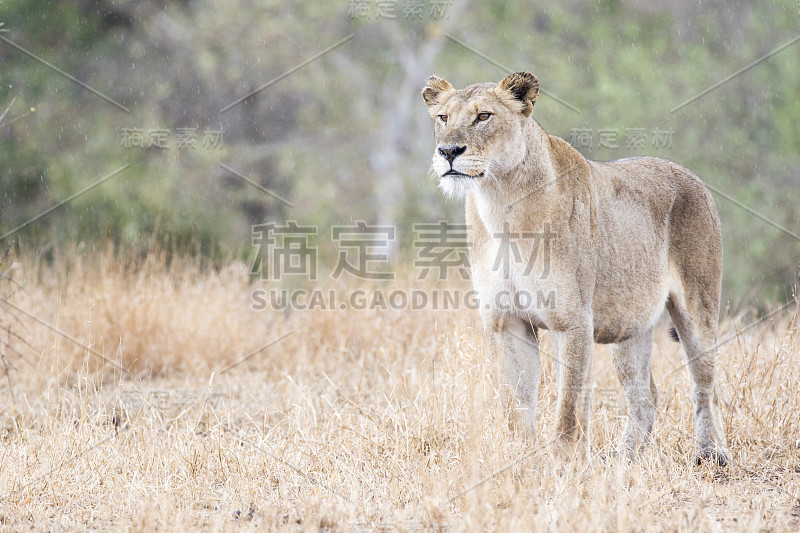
x=359 y=420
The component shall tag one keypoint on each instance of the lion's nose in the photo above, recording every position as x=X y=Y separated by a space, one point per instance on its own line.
x=451 y=152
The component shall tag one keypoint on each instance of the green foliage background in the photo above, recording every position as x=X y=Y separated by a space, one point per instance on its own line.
x=347 y=137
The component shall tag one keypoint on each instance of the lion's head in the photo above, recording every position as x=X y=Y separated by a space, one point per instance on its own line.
x=479 y=130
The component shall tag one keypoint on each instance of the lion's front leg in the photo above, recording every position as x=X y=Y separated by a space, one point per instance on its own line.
x=574 y=390
x=515 y=343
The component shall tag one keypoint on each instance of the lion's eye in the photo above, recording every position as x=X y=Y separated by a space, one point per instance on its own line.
x=443 y=118
x=483 y=116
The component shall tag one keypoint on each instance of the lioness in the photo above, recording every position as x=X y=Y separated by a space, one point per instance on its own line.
x=609 y=244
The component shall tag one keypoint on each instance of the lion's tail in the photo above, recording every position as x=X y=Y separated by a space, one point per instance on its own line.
x=673 y=333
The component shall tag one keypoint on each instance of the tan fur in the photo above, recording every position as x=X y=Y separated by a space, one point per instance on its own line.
x=601 y=247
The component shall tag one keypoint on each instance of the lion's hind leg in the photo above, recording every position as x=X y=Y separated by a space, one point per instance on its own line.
x=632 y=362
x=697 y=329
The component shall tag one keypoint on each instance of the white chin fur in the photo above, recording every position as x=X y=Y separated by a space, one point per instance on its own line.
x=457 y=187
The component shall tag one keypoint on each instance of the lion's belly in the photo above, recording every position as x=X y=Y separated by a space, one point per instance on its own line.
x=632 y=280
x=619 y=316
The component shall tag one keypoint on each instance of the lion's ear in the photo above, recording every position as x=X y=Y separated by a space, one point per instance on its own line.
x=433 y=92
x=524 y=87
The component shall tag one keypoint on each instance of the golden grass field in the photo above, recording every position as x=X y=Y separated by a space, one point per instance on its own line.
x=357 y=421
